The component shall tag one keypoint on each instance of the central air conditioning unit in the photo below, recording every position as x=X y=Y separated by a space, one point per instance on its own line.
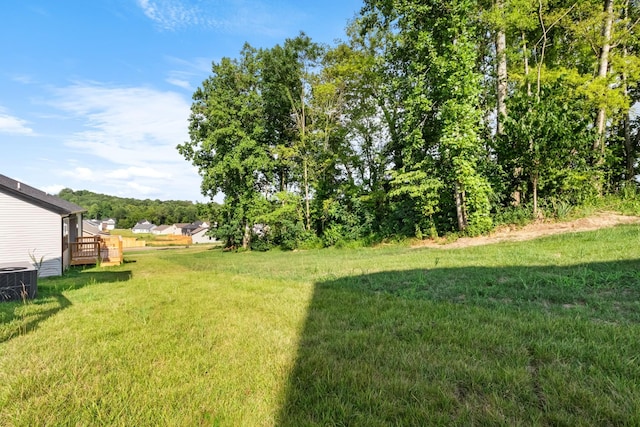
x=18 y=281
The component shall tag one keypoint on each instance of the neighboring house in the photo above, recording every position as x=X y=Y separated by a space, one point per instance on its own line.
x=199 y=236
x=162 y=229
x=202 y=224
x=188 y=229
x=37 y=226
x=171 y=229
x=143 y=227
x=108 y=224
x=105 y=225
x=178 y=229
x=92 y=228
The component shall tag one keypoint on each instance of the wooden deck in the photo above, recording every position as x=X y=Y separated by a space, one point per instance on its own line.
x=105 y=250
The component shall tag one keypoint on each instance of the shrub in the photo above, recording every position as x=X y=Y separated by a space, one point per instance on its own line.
x=513 y=215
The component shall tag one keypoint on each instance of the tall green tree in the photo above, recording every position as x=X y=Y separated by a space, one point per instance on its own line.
x=434 y=57
x=429 y=116
x=226 y=128
x=287 y=76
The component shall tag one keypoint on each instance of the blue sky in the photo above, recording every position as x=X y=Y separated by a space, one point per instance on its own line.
x=95 y=94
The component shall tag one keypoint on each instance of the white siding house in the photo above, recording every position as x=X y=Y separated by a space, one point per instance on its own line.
x=92 y=228
x=199 y=236
x=178 y=229
x=109 y=224
x=143 y=227
x=162 y=229
x=36 y=226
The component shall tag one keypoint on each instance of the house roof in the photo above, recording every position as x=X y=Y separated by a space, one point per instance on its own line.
x=90 y=227
x=38 y=197
x=162 y=227
x=199 y=230
x=144 y=226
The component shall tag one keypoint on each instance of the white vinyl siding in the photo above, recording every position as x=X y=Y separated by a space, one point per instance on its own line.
x=201 y=237
x=29 y=229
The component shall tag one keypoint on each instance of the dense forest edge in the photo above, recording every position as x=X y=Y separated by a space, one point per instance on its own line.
x=431 y=118
x=128 y=211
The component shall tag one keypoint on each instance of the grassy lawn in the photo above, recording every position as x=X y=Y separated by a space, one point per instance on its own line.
x=532 y=333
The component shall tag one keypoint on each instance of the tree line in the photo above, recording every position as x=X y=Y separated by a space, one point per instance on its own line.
x=127 y=211
x=432 y=116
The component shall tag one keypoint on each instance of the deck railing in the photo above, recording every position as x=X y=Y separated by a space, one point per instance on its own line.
x=105 y=250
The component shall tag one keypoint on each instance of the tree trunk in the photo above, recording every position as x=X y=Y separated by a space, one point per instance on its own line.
x=629 y=150
x=516 y=196
x=282 y=180
x=534 y=180
x=501 y=48
x=534 y=184
x=460 y=211
x=306 y=194
x=542 y=50
x=303 y=129
x=603 y=67
x=246 y=238
x=526 y=63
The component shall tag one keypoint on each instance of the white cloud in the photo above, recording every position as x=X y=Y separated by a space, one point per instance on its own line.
x=136 y=172
x=187 y=71
x=81 y=173
x=23 y=79
x=197 y=66
x=129 y=126
x=128 y=145
x=174 y=14
x=52 y=189
x=162 y=182
x=13 y=125
x=149 y=9
x=230 y=16
x=184 y=84
x=142 y=189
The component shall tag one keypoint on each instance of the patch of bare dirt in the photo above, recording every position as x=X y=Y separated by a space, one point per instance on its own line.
x=535 y=230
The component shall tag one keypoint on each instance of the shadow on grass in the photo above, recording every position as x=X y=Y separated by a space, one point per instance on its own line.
x=77 y=278
x=21 y=317
x=473 y=345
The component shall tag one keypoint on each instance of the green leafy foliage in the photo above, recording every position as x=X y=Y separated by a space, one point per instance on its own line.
x=226 y=127
x=396 y=131
x=550 y=140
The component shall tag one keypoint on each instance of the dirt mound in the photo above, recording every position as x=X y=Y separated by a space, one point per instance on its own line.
x=538 y=229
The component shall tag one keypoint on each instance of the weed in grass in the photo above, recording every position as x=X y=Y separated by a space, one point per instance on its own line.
x=37 y=262
x=562 y=209
x=24 y=296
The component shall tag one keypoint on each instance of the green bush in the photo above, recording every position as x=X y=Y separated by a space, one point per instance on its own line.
x=513 y=215
x=332 y=235
x=290 y=234
x=260 y=243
